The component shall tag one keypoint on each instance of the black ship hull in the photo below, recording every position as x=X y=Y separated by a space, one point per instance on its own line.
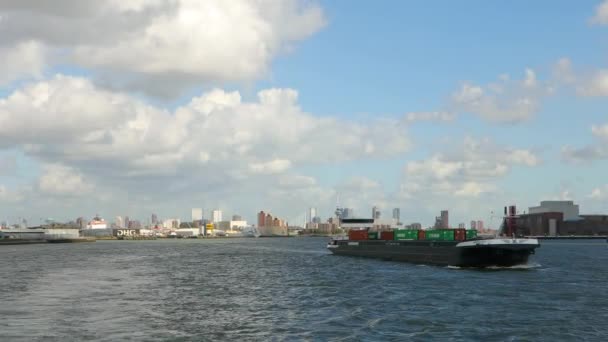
x=473 y=253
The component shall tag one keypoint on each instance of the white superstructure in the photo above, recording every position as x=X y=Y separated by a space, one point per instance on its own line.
x=97 y=223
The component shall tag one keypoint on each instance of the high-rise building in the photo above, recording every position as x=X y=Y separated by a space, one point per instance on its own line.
x=376 y=213
x=172 y=223
x=119 y=222
x=134 y=224
x=268 y=221
x=81 y=222
x=126 y=222
x=462 y=226
x=480 y=225
x=216 y=216
x=316 y=219
x=154 y=219
x=261 y=219
x=414 y=225
x=397 y=215
x=445 y=222
x=312 y=212
x=197 y=214
x=347 y=213
x=473 y=224
x=237 y=218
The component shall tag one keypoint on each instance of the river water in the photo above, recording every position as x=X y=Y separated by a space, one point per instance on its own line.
x=293 y=290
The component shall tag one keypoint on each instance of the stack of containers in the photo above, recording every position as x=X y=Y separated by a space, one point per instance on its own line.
x=406 y=234
x=440 y=234
x=471 y=234
x=357 y=235
x=460 y=234
x=387 y=235
x=373 y=235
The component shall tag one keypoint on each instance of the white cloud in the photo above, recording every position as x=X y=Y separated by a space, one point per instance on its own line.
x=506 y=101
x=473 y=189
x=563 y=72
x=599 y=193
x=595 y=151
x=467 y=172
x=601 y=14
x=600 y=131
x=62 y=180
x=271 y=167
x=25 y=60
x=584 y=154
x=413 y=117
x=564 y=195
x=594 y=85
x=160 y=46
x=217 y=142
x=530 y=79
x=522 y=157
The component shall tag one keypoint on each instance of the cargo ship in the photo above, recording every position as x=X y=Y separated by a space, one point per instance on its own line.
x=446 y=247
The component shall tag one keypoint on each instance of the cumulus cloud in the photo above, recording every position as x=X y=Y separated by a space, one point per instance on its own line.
x=466 y=172
x=601 y=14
x=600 y=131
x=25 y=60
x=599 y=193
x=270 y=167
x=563 y=72
x=595 y=84
x=12 y=196
x=62 y=180
x=158 y=46
x=505 y=101
x=589 y=153
x=413 y=117
x=115 y=139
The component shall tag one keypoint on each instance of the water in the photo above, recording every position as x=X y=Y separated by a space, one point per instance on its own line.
x=292 y=289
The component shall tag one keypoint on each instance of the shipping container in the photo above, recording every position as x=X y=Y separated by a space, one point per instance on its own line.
x=372 y=235
x=460 y=234
x=357 y=235
x=471 y=234
x=440 y=234
x=406 y=234
x=421 y=234
x=387 y=235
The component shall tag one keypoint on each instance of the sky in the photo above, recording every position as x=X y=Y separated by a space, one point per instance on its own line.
x=136 y=107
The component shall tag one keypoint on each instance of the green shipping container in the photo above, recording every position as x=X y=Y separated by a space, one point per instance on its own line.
x=372 y=235
x=406 y=234
x=471 y=234
x=440 y=234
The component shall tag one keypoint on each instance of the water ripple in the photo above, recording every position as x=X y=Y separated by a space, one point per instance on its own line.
x=292 y=290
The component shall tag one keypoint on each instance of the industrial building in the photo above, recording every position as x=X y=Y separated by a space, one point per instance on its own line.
x=560 y=218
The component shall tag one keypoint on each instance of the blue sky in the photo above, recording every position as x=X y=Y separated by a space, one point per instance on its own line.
x=359 y=68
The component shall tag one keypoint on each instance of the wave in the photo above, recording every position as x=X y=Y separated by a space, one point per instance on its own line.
x=515 y=267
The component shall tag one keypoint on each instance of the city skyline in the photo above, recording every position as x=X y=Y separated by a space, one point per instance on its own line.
x=287 y=106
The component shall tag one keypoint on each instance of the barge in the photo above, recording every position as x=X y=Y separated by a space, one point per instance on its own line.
x=447 y=247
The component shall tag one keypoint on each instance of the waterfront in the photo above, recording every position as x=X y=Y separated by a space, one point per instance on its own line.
x=292 y=289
